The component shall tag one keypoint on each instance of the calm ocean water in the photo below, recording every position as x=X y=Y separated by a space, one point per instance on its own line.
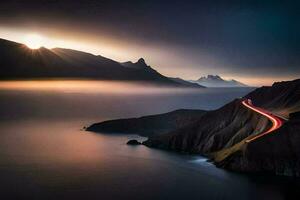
x=44 y=154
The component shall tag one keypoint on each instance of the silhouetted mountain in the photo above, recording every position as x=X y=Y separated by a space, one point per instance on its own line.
x=149 y=125
x=19 y=62
x=217 y=81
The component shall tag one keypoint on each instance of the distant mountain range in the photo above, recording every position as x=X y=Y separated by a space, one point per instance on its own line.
x=217 y=81
x=220 y=134
x=17 y=61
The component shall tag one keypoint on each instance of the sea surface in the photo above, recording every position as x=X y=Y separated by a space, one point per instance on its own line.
x=45 y=153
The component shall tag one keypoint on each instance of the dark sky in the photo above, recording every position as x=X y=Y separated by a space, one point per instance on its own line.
x=246 y=39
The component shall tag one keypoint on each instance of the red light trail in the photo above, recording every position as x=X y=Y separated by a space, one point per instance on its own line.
x=276 y=121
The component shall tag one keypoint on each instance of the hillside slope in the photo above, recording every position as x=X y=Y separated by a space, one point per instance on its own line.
x=213 y=131
x=277 y=153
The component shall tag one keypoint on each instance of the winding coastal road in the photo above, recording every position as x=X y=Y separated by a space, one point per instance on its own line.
x=277 y=122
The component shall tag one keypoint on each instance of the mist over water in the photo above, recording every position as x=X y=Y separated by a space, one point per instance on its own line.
x=103 y=99
x=45 y=154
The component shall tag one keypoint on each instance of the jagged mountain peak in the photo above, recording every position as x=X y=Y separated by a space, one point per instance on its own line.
x=210 y=77
x=215 y=77
x=141 y=61
x=218 y=81
x=139 y=64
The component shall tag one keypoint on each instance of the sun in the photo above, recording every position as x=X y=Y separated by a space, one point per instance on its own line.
x=33 y=41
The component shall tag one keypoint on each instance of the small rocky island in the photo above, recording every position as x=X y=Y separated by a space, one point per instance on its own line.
x=133 y=142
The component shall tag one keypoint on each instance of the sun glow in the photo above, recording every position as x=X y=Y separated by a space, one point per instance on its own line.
x=33 y=41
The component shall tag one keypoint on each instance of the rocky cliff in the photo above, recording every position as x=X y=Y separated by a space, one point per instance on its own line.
x=221 y=133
